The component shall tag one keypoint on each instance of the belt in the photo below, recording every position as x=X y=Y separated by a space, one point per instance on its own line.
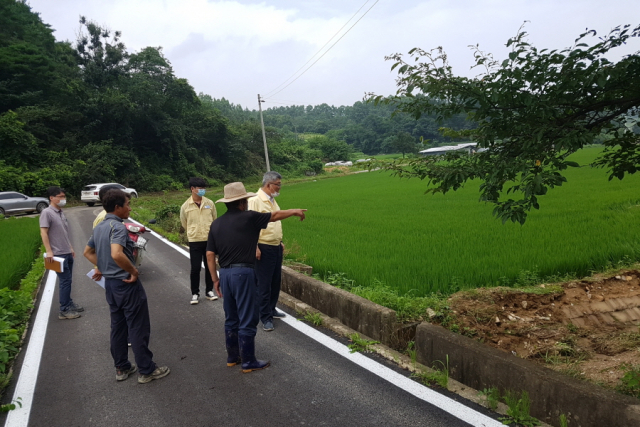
x=240 y=265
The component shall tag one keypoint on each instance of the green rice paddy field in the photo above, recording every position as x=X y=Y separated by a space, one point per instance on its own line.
x=19 y=240
x=371 y=227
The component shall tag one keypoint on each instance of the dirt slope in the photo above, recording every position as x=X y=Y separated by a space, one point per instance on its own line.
x=587 y=329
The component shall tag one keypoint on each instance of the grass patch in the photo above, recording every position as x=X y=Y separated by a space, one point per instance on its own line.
x=313 y=318
x=408 y=307
x=360 y=344
x=20 y=238
x=519 y=408
x=439 y=376
x=15 y=307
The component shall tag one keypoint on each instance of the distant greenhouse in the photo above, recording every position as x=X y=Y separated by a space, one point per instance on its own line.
x=469 y=147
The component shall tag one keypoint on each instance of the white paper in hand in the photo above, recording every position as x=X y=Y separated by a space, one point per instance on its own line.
x=99 y=282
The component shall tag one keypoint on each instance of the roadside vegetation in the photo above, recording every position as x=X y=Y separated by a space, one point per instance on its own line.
x=20 y=239
x=21 y=269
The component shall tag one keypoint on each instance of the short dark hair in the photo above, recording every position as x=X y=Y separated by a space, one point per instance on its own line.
x=235 y=205
x=104 y=190
x=54 y=191
x=114 y=197
x=197 y=182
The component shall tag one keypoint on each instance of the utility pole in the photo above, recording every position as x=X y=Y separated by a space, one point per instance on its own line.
x=264 y=136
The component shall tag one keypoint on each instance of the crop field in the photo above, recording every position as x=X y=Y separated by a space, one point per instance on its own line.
x=374 y=227
x=19 y=240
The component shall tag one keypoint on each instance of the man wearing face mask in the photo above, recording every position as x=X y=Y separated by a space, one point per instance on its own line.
x=54 y=230
x=196 y=216
x=269 y=251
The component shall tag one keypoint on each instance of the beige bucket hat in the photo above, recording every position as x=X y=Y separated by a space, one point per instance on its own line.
x=234 y=191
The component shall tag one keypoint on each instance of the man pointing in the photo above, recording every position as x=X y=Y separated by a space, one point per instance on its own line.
x=233 y=237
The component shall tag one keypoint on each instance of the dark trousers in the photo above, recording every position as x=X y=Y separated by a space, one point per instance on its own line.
x=198 y=254
x=238 y=287
x=129 y=317
x=64 y=281
x=269 y=272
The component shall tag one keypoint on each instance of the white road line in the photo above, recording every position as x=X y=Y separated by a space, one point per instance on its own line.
x=438 y=400
x=456 y=409
x=29 y=372
x=164 y=239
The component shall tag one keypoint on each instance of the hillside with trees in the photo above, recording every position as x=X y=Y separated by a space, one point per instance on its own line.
x=73 y=113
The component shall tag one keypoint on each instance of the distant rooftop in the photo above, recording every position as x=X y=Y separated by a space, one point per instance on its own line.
x=449 y=148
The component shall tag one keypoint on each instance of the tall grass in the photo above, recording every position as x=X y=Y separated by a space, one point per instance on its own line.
x=375 y=227
x=19 y=242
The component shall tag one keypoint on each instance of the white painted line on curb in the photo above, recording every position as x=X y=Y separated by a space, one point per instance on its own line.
x=438 y=400
x=26 y=386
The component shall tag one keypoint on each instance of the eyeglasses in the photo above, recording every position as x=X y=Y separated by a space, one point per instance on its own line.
x=276 y=184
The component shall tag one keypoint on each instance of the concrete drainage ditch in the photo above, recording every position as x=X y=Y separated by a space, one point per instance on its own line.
x=470 y=363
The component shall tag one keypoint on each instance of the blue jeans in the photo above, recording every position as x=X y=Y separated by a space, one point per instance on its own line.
x=269 y=273
x=240 y=302
x=64 y=280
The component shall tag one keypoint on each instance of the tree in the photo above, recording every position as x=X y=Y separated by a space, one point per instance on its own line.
x=404 y=143
x=532 y=111
x=331 y=149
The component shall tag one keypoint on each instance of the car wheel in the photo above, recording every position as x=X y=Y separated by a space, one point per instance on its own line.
x=40 y=207
x=90 y=204
x=2 y=211
x=134 y=195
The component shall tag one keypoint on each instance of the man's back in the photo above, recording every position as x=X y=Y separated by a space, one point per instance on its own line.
x=234 y=236
x=111 y=230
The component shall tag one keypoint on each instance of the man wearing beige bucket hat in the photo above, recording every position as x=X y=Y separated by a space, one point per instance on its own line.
x=233 y=237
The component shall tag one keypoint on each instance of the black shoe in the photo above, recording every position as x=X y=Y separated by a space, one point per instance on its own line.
x=278 y=314
x=75 y=307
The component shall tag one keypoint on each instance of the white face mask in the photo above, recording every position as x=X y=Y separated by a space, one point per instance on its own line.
x=62 y=202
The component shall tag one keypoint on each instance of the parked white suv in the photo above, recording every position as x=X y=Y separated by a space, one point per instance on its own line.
x=90 y=192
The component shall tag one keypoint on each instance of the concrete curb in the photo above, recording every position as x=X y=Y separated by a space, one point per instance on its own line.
x=356 y=312
x=551 y=393
x=474 y=365
x=402 y=360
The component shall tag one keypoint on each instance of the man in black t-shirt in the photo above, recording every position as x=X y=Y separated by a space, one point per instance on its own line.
x=233 y=237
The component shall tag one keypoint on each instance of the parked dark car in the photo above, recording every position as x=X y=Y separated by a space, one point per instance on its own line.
x=12 y=202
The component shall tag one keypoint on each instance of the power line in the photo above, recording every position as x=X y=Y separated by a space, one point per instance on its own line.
x=330 y=47
x=319 y=50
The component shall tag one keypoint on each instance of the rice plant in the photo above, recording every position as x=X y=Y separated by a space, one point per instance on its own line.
x=377 y=228
x=19 y=240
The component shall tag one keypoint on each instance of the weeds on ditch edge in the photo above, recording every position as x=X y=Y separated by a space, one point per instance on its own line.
x=313 y=318
x=439 y=376
x=519 y=409
x=492 y=397
x=564 y=422
x=359 y=344
x=630 y=382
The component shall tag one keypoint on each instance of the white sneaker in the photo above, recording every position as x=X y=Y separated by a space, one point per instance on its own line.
x=211 y=296
x=194 y=299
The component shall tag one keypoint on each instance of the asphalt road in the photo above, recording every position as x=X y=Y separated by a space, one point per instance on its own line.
x=306 y=385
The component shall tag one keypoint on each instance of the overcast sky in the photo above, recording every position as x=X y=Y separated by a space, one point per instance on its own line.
x=237 y=49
